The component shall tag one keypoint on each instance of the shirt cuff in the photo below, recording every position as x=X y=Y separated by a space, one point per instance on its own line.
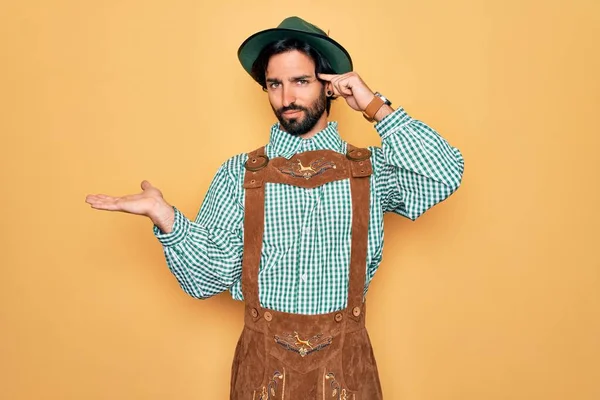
x=391 y=122
x=181 y=227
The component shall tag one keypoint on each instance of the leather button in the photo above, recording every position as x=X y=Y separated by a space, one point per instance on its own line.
x=253 y=164
x=338 y=317
x=356 y=311
x=254 y=312
x=268 y=316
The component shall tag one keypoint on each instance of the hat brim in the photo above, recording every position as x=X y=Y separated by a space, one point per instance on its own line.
x=338 y=57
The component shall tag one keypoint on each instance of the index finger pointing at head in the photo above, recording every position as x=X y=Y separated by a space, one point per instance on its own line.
x=326 y=77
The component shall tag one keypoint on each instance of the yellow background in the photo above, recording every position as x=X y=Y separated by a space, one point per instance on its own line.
x=494 y=294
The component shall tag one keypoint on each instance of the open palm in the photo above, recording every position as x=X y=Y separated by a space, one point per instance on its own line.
x=140 y=204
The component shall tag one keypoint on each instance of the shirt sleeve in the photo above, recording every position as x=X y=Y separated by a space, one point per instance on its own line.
x=206 y=255
x=415 y=167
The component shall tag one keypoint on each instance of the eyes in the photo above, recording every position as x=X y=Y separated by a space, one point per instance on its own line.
x=298 y=82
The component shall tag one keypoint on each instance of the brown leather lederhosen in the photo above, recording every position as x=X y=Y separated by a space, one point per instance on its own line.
x=300 y=357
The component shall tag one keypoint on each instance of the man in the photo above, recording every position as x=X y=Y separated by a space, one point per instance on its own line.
x=295 y=228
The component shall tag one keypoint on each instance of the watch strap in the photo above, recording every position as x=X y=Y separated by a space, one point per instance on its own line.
x=372 y=108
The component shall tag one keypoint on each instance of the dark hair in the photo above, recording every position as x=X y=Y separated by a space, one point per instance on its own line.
x=259 y=68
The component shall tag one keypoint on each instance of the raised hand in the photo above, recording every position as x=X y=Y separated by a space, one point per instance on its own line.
x=149 y=202
x=352 y=88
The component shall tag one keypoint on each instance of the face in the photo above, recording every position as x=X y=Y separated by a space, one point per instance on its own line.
x=296 y=95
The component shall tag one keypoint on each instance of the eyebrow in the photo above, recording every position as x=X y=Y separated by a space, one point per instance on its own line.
x=293 y=79
x=298 y=78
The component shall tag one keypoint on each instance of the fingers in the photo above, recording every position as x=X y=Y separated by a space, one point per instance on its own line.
x=97 y=197
x=102 y=202
x=326 y=77
x=334 y=80
x=343 y=88
x=105 y=206
x=342 y=84
x=333 y=77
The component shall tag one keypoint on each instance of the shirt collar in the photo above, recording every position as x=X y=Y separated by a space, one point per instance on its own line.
x=285 y=145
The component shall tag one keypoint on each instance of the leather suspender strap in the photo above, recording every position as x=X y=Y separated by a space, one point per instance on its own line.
x=258 y=171
x=361 y=203
x=254 y=222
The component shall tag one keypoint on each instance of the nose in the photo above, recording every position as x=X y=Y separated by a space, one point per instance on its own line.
x=288 y=95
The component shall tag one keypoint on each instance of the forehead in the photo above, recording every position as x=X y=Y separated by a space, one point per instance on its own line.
x=289 y=64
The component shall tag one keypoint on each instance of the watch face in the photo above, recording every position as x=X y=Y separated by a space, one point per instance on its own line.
x=382 y=97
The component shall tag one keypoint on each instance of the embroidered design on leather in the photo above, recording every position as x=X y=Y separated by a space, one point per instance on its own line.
x=270 y=391
x=336 y=391
x=298 y=170
x=293 y=342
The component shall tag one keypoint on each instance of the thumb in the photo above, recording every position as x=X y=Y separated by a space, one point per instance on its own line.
x=146 y=185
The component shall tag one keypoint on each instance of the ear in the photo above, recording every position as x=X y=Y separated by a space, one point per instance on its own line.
x=329 y=89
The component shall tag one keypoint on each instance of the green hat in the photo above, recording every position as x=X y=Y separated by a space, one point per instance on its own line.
x=297 y=28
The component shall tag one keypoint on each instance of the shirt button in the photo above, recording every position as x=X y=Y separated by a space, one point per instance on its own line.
x=338 y=317
x=268 y=316
x=356 y=311
x=303 y=277
x=306 y=230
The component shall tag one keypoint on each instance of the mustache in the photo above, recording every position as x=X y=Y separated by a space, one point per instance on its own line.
x=290 y=108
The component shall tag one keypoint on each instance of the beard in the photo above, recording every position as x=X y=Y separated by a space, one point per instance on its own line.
x=300 y=125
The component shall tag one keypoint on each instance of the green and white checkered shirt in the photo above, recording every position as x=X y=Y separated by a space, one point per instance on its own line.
x=306 y=244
